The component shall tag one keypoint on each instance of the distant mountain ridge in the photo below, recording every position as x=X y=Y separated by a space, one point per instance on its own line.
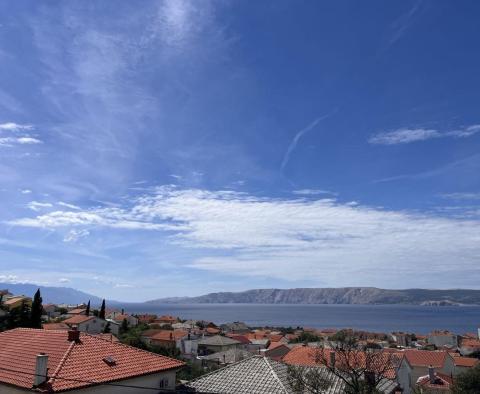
x=54 y=295
x=344 y=295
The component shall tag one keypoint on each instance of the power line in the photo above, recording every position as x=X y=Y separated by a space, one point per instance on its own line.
x=89 y=381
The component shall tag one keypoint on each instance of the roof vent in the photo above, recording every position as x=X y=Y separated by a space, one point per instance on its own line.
x=110 y=361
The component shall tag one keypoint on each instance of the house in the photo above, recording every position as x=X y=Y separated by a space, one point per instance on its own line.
x=88 y=324
x=50 y=310
x=252 y=375
x=224 y=358
x=168 y=338
x=131 y=320
x=434 y=383
x=146 y=318
x=215 y=344
x=469 y=346
x=402 y=339
x=277 y=350
x=166 y=319
x=442 y=339
x=58 y=361
x=235 y=328
x=256 y=345
x=416 y=363
x=386 y=363
x=262 y=375
x=113 y=326
x=77 y=311
x=464 y=363
x=15 y=302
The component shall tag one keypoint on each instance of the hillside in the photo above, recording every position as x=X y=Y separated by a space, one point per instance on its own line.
x=346 y=295
x=55 y=295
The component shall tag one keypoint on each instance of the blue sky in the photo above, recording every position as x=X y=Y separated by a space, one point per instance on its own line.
x=166 y=148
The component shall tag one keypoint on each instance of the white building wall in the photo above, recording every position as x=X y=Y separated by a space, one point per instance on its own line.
x=144 y=381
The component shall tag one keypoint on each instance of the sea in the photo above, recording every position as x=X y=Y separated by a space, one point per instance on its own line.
x=375 y=318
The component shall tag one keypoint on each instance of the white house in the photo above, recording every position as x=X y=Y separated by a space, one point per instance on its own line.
x=88 y=324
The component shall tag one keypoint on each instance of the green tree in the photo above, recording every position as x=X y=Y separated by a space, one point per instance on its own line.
x=87 y=311
x=36 y=312
x=107 y=329
x=101 y=314
x=467 y=382
x=124 y=326
x=19 y=317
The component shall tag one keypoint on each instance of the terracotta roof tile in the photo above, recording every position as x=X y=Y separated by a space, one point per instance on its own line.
x=81 y=361
x=466 y=361
x=426 y=358
x=77 y=319
x=169 y=335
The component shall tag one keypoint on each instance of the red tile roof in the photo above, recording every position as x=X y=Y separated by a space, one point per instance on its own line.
x=311 y=356
x=468 y=342
x=119 y=318
x=77 y=319
x=77 y=311
x=240 y=338
x=273 y=345
x=169 y=335
x=55 y=326
x=466 y=361
x=82 y=362
x=441 y=382
x=424 y=358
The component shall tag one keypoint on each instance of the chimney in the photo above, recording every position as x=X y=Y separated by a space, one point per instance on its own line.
x=479 y=333
x=74 y=335
x=431 y=374
x=332 y=359
x=41 y=370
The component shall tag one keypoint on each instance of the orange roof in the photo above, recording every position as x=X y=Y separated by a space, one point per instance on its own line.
x=77 y=311
x=442 y=382
x=81 y=361
x=120 y=318
x=212 y=330
x=424 y=358
x=469 y=342
x=169 y=335
x=466 y=361
x=77 y=319
x=273 y=345
x=311 y=356
x=55 y=326
x=275 y=337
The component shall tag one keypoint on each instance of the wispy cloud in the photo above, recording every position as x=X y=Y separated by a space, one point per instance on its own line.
x=12 y=126
x=403 y=23
x=462 y=196
x=312 y=192
x=299 y=135
x=75 y=235
x=294 y=239
x=38 y=206
x=408 y=135
x=466 y=165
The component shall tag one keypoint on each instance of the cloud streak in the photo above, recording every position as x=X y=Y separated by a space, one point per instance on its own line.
x=409 y=135
x=298 y=136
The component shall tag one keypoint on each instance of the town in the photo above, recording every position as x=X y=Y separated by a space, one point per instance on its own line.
x=81 y=349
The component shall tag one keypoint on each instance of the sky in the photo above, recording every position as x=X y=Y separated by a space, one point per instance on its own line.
x=173 y=148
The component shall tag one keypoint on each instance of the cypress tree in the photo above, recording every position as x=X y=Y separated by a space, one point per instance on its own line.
x=101 y=314
x=87 y=312
x=37 y=309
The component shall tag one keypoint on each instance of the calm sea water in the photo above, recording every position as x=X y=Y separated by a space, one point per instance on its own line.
x=382 y=318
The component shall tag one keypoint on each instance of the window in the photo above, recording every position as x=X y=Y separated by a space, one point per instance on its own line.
x=163 y=383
